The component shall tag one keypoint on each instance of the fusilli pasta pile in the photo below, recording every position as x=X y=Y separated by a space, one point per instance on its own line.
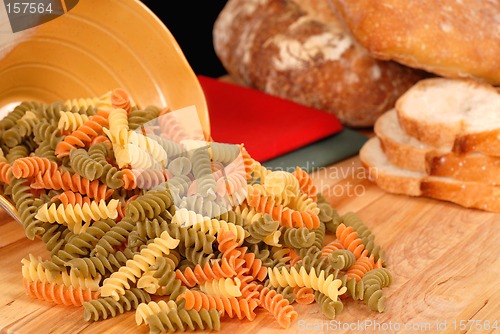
x=138 y=216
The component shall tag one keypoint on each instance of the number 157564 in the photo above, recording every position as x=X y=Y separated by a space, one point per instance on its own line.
x=28 y=8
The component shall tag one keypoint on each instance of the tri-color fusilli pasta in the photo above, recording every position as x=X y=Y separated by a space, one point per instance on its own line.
x=132 y=206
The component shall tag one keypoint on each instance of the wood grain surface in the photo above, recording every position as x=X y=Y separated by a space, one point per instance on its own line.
x=444 y=259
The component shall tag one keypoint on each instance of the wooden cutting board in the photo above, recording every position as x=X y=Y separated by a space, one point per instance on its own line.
x=444 y=259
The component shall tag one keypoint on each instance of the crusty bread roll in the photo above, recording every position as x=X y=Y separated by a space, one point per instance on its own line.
x=397 y=180
x=407 y=152
x=459 y=113
x=306 y=55
x=452 y=38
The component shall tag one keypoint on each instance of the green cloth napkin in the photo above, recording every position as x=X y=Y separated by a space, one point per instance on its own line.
x=322 y=153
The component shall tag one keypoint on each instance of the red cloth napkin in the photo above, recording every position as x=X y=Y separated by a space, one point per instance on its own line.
x=268 y=126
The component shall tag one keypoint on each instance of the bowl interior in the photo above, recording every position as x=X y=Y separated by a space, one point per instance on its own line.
x=94 y=48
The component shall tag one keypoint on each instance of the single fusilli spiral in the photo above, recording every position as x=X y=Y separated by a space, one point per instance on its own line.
x=117 y=131
x=47 y=131
x=230 y=306
x=99 y=264
x=26 y=206
x=319 y=236
x=139 y=117
x=350 y=240
x=115 y=285
x=55 y=236
x=327 y=285
x=342 y=259
x=17 y=152
x=169 y=285
x=23 y=128
x=199 y=257
x=144 y=310
x=121 y=99
x=78 y=217
x=180 y=166
x=150 y=229
x=283 y=255
x=202 y=171
x=278 y=306
x=209 y=226
x=102 y=308
x=79 y=246
x=148 y=145
x=248 y=213
x=115 y=237
x=374 y=281
x=171 y=128
x=183 y=320
x=231 y=183
x=328 y=215
x=226 y=287
x=306 y=184
x=84 y=134
x=366 y=236
x=5 y=172
x=298 y=237
x=111 y=176
x=283 y=185
x=83 y=164
x=45 y=150
x=149 y=205
x=13 y=116
x=304 y=203
x=303 y=295
x=142 y=179
x=100 y=102
x=261 y=229
x=286 y=216
x=355 y=289
x=262 y=253
x=225 y=153
x=332 y=246
x=33 y=270
x=330 y=308
x=58 y=293
x=173 y=149
x=203 y=206
x=72 y=198
x=208 y=272
x=313 y=260
x=195 y=238
x=287 y=292
x=70 y=121
x=362 y=265
x=67 y=181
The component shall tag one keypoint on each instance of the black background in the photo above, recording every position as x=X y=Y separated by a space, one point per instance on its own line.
x=191 y=23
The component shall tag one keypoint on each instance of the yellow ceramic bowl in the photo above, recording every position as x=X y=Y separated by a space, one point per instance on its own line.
x=97 y=46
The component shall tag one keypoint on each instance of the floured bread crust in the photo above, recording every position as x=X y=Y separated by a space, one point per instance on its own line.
x=306 y=55
x=452 y=38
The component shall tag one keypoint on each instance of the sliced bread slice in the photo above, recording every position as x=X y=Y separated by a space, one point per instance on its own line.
x=397 y=180
x=408 y=152
x=461 y=113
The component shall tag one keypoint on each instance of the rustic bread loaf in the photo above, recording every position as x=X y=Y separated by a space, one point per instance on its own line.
x=408 y=152
x=459 y=113
x=306 y=55
x=397 y=180
x=452 y=38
